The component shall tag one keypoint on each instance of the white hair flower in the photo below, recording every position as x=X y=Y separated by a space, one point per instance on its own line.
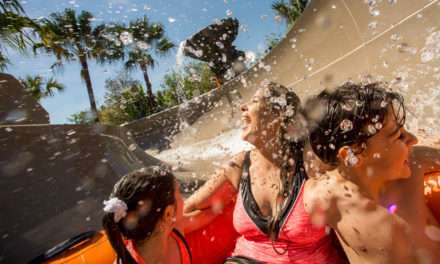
x=117 y=207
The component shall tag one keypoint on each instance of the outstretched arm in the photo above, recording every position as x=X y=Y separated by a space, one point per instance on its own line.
x=218 y=192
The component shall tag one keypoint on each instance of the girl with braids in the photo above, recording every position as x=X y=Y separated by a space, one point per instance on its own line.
x=267 y=186
x=141 y=218
x=366 y=180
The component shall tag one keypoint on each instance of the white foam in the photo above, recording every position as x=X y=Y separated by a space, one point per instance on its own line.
x=227 y=144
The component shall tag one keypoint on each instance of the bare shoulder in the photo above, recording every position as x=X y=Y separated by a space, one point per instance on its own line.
x=221 y=186
x=321 y=192
x=233 y=169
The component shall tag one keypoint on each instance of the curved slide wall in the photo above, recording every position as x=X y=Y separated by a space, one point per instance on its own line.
x=333 y=41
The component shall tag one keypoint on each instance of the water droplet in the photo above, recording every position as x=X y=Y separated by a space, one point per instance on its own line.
x=346 y=125
x=142 y=45
x=375 y=12
x=371 y=129
x=372 y=25
x=132 y=147
x=378 y=125
x=126 y=38
x=426 y=56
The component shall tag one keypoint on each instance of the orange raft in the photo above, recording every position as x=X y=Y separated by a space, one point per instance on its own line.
x=210 y=245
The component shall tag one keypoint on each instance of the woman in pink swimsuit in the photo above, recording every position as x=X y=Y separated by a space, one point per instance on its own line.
x=267 y=187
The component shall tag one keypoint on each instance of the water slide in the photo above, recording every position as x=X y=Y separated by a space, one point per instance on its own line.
x=332 y=42
x=53 y=178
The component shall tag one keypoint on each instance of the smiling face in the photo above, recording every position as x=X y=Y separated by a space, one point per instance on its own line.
x=387 y=152
x=259 y=123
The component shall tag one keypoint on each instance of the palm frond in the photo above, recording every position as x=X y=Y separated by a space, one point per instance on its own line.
x=53 y=85
x=84 y=23
x=4 y=61
x=290 y=11
x=32 y=84
x=11 y=6
x=130 y=65
x=164 y=45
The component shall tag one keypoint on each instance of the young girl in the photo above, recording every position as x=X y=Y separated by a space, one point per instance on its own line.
x=374 y=198
x=140 y=218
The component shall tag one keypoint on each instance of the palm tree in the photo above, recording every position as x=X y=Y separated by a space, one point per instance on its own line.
x=40 y=88
x=143 y=38
x=70 y=37
x=13 y=33
x=289 y=11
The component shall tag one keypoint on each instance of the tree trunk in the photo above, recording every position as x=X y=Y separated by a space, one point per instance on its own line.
x=86 y=76
x=150 y=95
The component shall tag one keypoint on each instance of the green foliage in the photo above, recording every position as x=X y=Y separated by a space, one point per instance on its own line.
x=40 y=88
x=194 y=80
x=83 y=117
x=13 y=29
x=271 y=41
x=142 y=39
x=125 y=100
x=68 y=36
x=289 y=10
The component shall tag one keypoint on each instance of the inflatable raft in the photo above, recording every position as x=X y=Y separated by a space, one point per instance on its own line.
x=210 y=245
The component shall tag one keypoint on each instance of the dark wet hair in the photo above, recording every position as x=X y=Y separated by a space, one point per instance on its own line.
x=153 y=187
x=287 y=105
x=349 y=115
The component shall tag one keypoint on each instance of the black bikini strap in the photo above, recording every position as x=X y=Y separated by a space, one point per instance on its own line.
x=245 y=170
x=182 y=238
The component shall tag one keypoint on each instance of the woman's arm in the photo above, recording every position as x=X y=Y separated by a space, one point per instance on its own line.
x=218 y=192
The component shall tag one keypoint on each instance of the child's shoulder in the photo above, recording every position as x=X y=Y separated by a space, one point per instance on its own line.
x=325 y=185
x=322 y=192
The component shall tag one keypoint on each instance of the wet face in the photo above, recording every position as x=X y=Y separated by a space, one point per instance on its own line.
x=259 y=123
x=387 y=152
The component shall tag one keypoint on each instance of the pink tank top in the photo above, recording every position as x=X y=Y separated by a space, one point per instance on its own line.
x=298 y=240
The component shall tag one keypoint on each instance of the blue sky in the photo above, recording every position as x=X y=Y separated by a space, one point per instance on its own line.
x=181 y=18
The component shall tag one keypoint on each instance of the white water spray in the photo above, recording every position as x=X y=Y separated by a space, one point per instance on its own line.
x=180 y=57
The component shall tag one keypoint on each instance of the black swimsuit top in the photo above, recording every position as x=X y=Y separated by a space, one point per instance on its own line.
x=251 y=207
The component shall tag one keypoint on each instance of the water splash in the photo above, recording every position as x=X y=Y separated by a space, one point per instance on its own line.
x=180 y=57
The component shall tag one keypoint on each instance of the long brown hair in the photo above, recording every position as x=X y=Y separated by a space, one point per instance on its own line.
x=286 y=104
x=152 y=187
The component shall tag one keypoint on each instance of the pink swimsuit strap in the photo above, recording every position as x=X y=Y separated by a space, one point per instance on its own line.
x=298 y=240
x=185 y=254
